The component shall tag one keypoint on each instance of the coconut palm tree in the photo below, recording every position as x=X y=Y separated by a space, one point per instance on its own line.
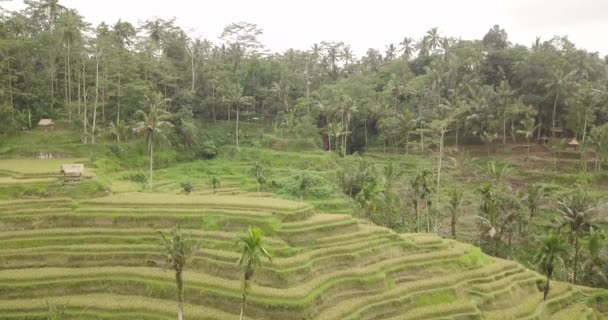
x=424 y=187
x=533 y=198
x=214 y=183
x=434 y=38
x=504 y=93
x=252 y=251
x=407 y=47
x=367 y=199
x=390 y=174
x=454 y=209
x=178 y=248
x=345 y=111
x=152 y=124
x=560 y=79
x=528 y=127
x=578 y=212
x=595 y=260
x=234 y=97
x=550 y=255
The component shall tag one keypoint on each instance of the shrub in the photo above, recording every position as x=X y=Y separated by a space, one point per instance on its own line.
x=187 y=187
x=304 y=185
x=136 y=177
x=207 y=150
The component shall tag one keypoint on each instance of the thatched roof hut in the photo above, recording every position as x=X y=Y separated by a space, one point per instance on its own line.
x=72 y=170
x=46 y=122
x=573 y=143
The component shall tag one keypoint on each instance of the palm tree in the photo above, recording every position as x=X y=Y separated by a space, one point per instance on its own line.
x=252 y=252
x=214 y=183
x=454 y=209
x=559 y=81
x=390 y=174
x=496 y=171
x=578 y=213
x=504 y=93
x=407 y=47
x=533 y=199
x=345 y=110
x=528 y=127
x=595 y=260
x=152 y=124
x=390 y=52
x=550 y=255
x=367 y=199
x=433 y=38
x=425 y=187
x=178 y=249
x=234 y=96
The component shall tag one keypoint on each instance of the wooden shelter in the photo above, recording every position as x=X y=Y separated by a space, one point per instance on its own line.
x=557 y=132
x=72 y=171
x=46 y=123
x=573 y=144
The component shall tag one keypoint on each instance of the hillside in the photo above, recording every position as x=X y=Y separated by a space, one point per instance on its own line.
x=92 y=258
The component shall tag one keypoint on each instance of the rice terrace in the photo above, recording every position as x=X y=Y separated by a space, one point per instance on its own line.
x=147 y=172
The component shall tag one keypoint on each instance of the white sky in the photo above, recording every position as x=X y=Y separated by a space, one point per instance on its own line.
x=365 y=24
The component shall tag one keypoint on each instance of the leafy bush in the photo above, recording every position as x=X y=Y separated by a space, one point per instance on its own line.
x=136 y=177
x=207 y=150
x=187 y=187
x=304 y=185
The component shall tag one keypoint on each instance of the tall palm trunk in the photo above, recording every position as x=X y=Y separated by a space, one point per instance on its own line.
x=546 y=288
x=96 y=97
x=84 y=98
x=180 y=295
x=10 y=89
x=576 y=254
x=69 y=85
x=554 y=111
x=118 y=104
x=417 y=215
x=237 y=128
x=439 y=165
x=244 y=297
x=428 y=221
x=151 y=161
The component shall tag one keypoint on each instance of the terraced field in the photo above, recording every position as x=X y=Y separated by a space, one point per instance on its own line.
x=94 y=258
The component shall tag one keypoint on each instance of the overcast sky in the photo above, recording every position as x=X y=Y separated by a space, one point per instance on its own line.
x=365 y=24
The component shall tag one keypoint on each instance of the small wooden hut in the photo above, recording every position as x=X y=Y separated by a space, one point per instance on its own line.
x=46 y=124
x=573 y=144
x=72 y=171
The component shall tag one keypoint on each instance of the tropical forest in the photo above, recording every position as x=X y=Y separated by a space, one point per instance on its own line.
x=150 y=173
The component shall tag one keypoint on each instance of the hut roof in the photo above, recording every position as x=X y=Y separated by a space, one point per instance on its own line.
x=72 y=168
x=573 y=142
x=46 y=122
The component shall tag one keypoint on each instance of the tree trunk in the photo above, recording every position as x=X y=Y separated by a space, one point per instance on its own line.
x=243 y=301
x=96 y=97
x=453 y=224
x=365 y=134
x=213 y=103
x=193 y=70
x=585 y=128
x=10 y=89
x=546 y=289
x=439 y=164
x=428 y=221
x=118 y=104
x=417 y=215
x=237 y=128
x=66 y=105
x=576 y=253
x=554 y=111
x=151 y=162
x=180 y=295
x=69 y=85
x=84 y=101
x=78 y=88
